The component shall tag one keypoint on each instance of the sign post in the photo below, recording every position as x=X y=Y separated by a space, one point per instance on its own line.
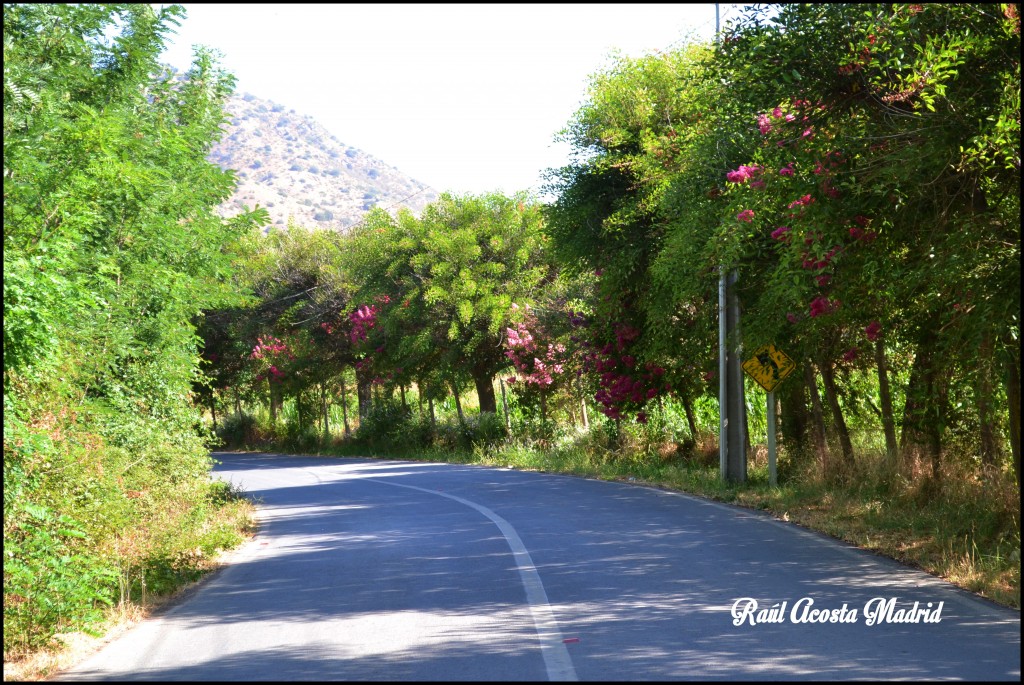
x=772 y=473
x=768 y=367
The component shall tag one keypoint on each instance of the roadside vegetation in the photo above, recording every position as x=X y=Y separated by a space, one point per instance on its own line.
x=967 y=533
x=111 y=247
x=857 y=165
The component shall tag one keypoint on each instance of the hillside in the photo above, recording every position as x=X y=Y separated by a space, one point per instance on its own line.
x=298 y=170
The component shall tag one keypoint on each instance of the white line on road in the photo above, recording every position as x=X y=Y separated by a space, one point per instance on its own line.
x=556 y=656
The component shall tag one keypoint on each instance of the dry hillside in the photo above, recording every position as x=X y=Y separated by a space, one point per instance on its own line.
x=298 y=171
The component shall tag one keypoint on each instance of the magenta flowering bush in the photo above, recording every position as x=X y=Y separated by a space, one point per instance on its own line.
x=362 y=319
x=535 y=364
x=821 y=305
x=624 y=384
x=274 y=354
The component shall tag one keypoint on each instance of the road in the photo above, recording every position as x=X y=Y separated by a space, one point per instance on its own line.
x=390 y=570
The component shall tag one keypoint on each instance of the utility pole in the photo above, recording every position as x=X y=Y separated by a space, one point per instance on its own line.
x=732 y=440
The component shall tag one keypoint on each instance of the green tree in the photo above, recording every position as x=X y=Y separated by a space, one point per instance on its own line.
x=900 y=133
x=444 y=285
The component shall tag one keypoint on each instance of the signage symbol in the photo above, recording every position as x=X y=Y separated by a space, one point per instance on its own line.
x=769 y=366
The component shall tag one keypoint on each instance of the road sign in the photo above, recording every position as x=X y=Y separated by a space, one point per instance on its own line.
x=769 y=366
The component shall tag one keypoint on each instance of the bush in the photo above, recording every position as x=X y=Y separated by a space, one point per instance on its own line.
x=485 y=430
x=237 y=430
x=388 y=424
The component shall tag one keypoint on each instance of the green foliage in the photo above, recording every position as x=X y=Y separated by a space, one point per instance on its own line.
x=111 y=246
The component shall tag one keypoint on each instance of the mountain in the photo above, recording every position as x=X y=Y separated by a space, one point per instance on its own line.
x=299 y=171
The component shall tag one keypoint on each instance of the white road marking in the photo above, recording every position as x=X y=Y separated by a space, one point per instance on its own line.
x=556 y=657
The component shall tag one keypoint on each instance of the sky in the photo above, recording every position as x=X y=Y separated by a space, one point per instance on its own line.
x=464 y=98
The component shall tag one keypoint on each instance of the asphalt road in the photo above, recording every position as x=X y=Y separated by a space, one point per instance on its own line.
x=388 y=570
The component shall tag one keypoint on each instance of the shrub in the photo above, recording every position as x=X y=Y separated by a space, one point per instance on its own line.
x=237 y=430
x=384 y=425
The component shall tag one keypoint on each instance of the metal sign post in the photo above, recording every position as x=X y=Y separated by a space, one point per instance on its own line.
x=772 y=473
x=769 y=367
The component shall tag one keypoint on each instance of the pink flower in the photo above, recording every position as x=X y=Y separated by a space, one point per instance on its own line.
x=821 y=305
x=780 y=233
x=746 y=215
x=764 y=123
x=786 y=170
x=873 y=330
x=850 y=354
x=803 y=201
x=743 y=173
x=792 y=318
x=777 y=113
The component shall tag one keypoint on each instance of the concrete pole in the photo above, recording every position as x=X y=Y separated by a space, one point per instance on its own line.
x=732 y=441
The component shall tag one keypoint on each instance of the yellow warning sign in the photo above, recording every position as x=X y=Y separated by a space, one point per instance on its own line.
x=769 y=366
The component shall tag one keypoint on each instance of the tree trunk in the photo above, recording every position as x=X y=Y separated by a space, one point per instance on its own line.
x=344 y=406
x=405 y=405
x=213 y=410
x=795 y=420
x=832 y=396
x=1013 y=402
x=690 y=420
x=818 y=416
x=323 y=404
x=983 y=400
x=885 y=397
x=922 y=413
x=504 y=405
x=458 y=403
x=364 y=392
x=275 y=401
x=485 y=391
x=938 y=391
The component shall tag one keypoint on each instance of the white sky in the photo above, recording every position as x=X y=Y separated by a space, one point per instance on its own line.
x=464 y=98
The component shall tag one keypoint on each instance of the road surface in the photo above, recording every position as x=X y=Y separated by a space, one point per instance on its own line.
x=390 y=570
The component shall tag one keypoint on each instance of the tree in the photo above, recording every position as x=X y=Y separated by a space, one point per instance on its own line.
x=637 y=214
x=441 y=286
x=896 y=136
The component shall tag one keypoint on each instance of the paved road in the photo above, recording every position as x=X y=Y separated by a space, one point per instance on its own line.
x=388 y=570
